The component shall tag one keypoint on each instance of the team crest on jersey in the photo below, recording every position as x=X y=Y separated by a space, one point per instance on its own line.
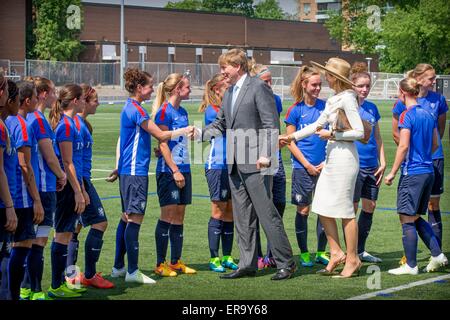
x=433 y=105
x=175 y=195
x=101 y=212
x=224 y=193
x=298 y=197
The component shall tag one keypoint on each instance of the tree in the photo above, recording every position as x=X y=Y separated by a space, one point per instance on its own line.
x=57 y=29
x=244 y=7
x=186 y=5
x=408 y=33
x=269 y=9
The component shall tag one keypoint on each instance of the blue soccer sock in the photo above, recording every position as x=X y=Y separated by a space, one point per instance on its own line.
x=119 y=259
x=16 y=270
x=410 y=243
x=162 y=241
x=214 y=232
x=92 y=249
x=4 y=262
x=301 y=231
x=364 y=226
x=132 y=244
x=35 y=267
x=26 y=277
x=59 y=260
x=227 y=237
x=176 y=242
x=321 y=236
x=435 y=220
x=428 y=237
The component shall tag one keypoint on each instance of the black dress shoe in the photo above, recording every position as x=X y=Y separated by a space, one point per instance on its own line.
x=239 y=273
x=285 y=273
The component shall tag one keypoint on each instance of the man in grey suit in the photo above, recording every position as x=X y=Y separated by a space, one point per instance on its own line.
x=250 y=120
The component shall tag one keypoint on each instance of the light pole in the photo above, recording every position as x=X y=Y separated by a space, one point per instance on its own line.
x=122 y=44
x=368 y=63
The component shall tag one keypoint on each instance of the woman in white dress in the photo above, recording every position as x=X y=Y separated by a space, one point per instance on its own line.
x=335 y=187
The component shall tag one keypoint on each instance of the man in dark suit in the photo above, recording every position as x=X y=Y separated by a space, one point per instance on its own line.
x=250 y=119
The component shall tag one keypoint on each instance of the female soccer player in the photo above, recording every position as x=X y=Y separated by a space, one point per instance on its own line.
x=372 y=162
x=50 y=175
x=94 y=214
x=27 y=201
x=173 y=174
x=279 y=178
x=70 y=200
x=308 y=156
x=8 y=217
x=135 y=130
x=220 y=224
x=437 y=106
x=417 y=141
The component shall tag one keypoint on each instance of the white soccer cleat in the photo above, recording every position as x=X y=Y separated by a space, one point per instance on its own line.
x=139 y=277
x=404 y=269
x=436 y=262
x=118 y=273
x=367 y=257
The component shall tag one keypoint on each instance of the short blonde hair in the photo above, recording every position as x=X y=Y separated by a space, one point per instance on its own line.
x=235 y=57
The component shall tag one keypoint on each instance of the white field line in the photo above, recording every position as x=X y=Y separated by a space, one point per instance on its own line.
x=402 y=287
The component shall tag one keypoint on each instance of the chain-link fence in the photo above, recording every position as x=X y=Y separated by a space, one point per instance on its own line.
x=106 y=77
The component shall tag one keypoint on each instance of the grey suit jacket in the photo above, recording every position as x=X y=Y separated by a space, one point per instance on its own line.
x=252 y=130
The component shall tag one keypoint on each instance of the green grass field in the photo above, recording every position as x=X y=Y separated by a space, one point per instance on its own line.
x=384 y=240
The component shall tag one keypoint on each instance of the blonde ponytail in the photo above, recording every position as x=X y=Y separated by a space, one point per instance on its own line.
x=159 y=99
x=164 y=90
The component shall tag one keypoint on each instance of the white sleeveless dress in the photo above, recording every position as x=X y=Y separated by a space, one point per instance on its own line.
x=333 y=196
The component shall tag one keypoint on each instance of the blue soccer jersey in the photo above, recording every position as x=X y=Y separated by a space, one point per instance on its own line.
x=135 y=142
x=434 y=103
x=218 y=152
x=23 y=137
x=87 y=145
x=10 y=161
x=67 y=131
x=174 y=119
x=42 y=130
x=278 y=103
x=421 y=124
x=313 y=148
x=368 y=153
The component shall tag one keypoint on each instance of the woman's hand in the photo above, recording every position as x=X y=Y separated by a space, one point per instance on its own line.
x=389 y=179
x=324 y=134
x=11 y=219
x=86 y=197
x=179 y=179
x=113 y=176
x=313 y=170
x=380 y=173
x=38 y=210
x=285 y=139
x=80 y=203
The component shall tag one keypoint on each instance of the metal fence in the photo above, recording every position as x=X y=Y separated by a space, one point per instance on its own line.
x=106 y=76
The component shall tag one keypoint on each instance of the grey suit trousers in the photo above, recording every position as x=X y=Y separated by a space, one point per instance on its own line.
x=252 y=199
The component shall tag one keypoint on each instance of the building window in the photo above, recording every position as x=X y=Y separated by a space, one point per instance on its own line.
x=109 y=52
x=306 y=8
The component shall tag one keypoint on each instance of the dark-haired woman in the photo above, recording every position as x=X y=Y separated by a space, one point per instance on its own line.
x=135 y=130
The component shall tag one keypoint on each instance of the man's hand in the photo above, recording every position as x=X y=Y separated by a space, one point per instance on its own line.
x=262 y=162
x=285 y=139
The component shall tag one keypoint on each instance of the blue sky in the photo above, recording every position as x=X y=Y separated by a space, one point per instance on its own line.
x=289 y=6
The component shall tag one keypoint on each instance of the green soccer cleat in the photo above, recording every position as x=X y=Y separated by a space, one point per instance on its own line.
x=322 y=257
x=305 y=259
x=25 y=293
x=78 y=288
x=62 y=293
x=228 y=262
x=40 y=296
x=214 y=265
